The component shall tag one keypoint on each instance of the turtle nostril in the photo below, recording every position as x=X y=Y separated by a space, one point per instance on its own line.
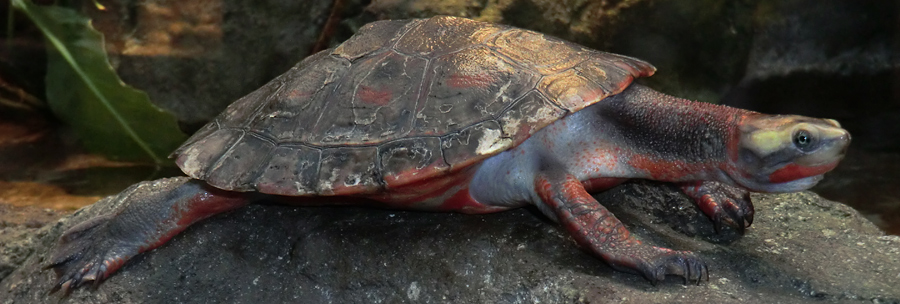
x=845 y=142
x=844 y=139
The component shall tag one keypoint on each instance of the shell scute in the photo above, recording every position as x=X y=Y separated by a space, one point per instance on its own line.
x=238 y=168
x=372 y=37
x=348 y=170
x=290 y=113
x=593 y=79
x=468 y=87
x=291 y=169
x=411 y=159
x=197 y=157
x=373 y=104
x=444 y=34
x=531 y=50
x=472 y=144
x=244 y=110
x=523 y=118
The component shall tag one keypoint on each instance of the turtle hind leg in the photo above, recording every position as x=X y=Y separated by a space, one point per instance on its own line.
x=598 y=230
x=147 y=215
x=723 y=204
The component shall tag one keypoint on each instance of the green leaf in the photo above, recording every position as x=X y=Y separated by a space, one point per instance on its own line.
x=83 y=90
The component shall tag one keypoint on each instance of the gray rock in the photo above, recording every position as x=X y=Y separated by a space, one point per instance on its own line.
x=801 y=248
x=20 y=229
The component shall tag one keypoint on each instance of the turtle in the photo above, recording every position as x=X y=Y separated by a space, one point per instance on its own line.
x=452 y=114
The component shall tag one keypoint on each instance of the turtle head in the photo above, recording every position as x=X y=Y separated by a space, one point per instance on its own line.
x=786 y=153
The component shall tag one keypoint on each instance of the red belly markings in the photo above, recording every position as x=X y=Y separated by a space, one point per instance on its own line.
x=445 y=193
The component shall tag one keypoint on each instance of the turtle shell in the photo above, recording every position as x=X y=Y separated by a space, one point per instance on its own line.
x=399 y=102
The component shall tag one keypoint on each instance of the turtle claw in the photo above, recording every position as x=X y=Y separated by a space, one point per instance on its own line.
x=86 y=253
x=74 y=272
x=685 y=264
x=724 y=204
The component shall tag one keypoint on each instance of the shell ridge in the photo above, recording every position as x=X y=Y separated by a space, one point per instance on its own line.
x=315 y=146
x=268 y=138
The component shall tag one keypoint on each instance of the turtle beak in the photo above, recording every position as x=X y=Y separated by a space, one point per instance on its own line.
x=836 y=141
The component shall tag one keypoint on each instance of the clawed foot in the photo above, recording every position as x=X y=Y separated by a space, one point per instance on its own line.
x=655 y=263
x=87 y=254
x=725 y=205
x=147 y=215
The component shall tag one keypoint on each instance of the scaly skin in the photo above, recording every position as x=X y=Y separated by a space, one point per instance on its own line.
x=598 y=230
x=150 y=214
x=717 y=154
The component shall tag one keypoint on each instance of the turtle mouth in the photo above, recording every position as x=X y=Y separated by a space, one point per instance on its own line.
x=791 y=186
x=767 y=185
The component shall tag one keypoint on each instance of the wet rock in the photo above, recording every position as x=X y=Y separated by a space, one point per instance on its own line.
x=800 y=248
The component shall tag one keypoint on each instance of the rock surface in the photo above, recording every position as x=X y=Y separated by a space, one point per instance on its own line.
x=801 y=248
x=18 y=229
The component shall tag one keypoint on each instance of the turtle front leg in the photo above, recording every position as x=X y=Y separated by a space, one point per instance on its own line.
x=722 y=203
x=147 y=215
x=598 y=230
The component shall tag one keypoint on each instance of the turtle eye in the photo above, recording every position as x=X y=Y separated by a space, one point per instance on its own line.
x=803 y=140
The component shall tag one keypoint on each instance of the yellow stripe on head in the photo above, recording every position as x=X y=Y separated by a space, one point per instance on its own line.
x=764 y=142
